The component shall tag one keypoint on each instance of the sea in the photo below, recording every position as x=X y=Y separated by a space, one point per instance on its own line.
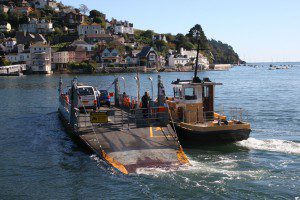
x=39 y=160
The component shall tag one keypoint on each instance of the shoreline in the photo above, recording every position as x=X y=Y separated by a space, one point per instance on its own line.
x=116 y=70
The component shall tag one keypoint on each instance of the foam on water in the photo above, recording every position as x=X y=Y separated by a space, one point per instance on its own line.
x=283 y=146
x=227 y=168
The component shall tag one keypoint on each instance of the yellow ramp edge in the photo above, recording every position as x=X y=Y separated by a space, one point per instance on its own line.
x=114 y=163
x=182 y=157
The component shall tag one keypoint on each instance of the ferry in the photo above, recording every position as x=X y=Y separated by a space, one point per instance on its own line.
x=195 y=120
x=126 y=137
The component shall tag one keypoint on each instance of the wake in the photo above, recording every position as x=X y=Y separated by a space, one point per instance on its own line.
x=282 y=146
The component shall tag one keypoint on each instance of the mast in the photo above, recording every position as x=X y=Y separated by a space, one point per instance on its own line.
x=197 y=55
x=196 y=79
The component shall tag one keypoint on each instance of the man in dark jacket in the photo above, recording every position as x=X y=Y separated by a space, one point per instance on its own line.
x=145 y=103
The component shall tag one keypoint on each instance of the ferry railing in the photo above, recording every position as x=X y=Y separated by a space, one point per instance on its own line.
x=152 y=116
x=239 y=114
x=195 y=116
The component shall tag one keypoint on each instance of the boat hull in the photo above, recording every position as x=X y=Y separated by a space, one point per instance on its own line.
x=193 y=138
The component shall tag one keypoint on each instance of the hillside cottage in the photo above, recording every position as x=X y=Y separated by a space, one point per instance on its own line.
x=90 y=29
x=148 y=57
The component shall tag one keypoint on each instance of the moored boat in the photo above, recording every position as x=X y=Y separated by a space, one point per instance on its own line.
x=194 y=117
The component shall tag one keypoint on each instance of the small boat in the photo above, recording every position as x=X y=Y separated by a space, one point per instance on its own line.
x=278 y=67
x=195 y=120
x=193 y=116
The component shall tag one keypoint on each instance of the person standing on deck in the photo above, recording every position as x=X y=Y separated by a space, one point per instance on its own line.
x=145 y=103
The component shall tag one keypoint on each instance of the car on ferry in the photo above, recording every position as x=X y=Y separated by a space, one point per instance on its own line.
x=88 y=97
x=104 y=98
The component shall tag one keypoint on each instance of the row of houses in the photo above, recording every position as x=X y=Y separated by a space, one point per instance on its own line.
x=42 y=58
x=51 y=58
x=37 y=26
x=27 y=7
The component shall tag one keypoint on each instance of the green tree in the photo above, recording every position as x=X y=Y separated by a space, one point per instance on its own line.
x=4 y=62
x=147 y=34
x=128 y=48
x=58 y=31
x=188 y=46
x=161 y=45
x=170 y=37
x=3 y=16
x=23 y=19
x=97 y=20
x=202 y=38
x=180 y=40
x=96 y=13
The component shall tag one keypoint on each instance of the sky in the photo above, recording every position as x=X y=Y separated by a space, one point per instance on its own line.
x=258 y=30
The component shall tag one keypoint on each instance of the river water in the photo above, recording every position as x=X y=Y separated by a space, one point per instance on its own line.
x=38 y=160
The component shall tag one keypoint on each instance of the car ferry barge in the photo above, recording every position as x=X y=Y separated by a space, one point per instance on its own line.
x=121 y=134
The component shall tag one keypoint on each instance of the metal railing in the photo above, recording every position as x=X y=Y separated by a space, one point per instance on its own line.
x=152 y=116
x=196 y=116
x=239 y=114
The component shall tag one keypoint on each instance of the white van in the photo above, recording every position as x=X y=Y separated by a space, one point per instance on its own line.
x=88 y=97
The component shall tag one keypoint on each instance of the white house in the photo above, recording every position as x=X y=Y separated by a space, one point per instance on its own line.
x=60 y=59
x=13 y=57
x=90 y=29
x=19 y=57
x=42 y=3
x=44 y=26
x=37 y=26
x=123 y=28
x=178 y=60
x=40 y=58
x=192 y=54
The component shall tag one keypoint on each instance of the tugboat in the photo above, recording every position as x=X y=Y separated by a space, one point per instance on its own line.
x=194 y=118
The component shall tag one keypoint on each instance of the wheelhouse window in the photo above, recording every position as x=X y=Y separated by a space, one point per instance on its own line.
x=190 y=94
x=177 y=92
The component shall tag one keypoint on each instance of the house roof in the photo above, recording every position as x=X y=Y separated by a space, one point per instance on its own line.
x=40 y=38
x=145 y=51
x=39 y=44
x=87 y=24
x=27 y=8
